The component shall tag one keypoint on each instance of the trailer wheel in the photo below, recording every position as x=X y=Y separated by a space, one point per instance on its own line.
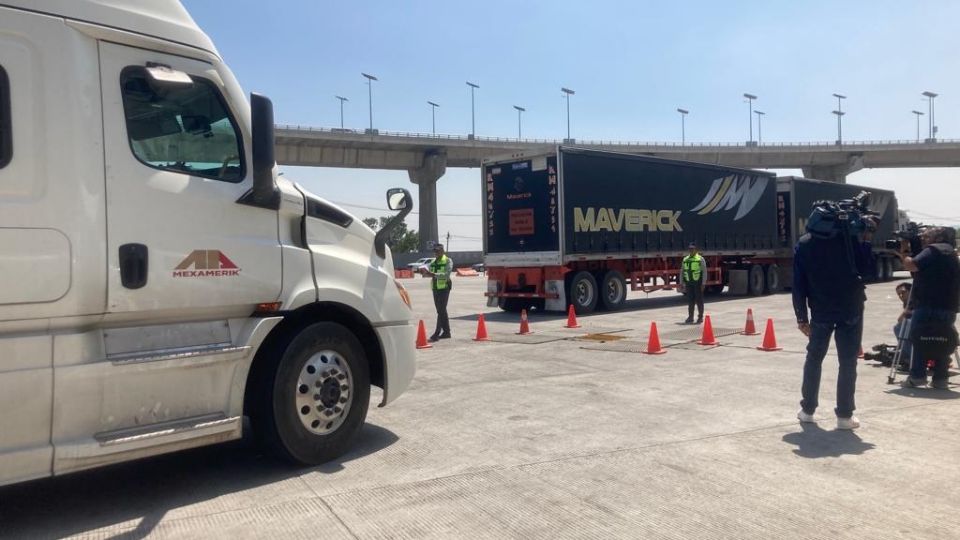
x=773 y=279
x=613 y=290
x=319 y=395
x=583 y=292
x=756 y=280
x=511 y=305
x=880 y=265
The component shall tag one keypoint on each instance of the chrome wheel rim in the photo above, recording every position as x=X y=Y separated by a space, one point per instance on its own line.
x=323 y=392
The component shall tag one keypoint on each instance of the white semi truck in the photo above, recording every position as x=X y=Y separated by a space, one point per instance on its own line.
x=159 y=281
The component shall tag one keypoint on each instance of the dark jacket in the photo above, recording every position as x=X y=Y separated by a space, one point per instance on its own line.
x=936 y=284
x=828 y=277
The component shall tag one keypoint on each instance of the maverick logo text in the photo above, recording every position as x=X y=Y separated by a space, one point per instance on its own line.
x=625 y=219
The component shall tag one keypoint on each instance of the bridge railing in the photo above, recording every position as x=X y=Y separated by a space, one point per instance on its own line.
x=467 y=138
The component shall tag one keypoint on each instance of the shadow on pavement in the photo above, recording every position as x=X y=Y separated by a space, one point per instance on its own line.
x=146 y=489
x=925 y=393
x=815 y=442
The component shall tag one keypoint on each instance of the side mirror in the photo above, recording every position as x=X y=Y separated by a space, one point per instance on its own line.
x=397 y=199
x=264 y=192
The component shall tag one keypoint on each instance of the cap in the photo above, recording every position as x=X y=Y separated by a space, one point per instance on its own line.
x=692 y=245
x=437 y=246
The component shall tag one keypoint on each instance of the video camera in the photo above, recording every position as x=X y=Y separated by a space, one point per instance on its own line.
x=851 y=216
x=911 y=233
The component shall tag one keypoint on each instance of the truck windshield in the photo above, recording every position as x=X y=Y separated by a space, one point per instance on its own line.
x=182 y=128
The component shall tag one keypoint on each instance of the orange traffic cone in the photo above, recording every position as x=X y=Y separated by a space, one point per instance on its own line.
x=769 y=338
x=653 y=343
x=481 y=329
x=524 y=325
x=422 y=342
x=708 y=338
x=749 y=329
x=571 y=318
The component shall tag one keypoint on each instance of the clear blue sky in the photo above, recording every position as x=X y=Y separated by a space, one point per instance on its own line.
x=631 y=63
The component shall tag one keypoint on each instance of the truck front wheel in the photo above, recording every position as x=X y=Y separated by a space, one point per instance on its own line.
x=319 y=397
x=583 y=292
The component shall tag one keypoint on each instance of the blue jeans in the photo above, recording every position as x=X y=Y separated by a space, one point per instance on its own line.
x=918 y=364
x=848 y=334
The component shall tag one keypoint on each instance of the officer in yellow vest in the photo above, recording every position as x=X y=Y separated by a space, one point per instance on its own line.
x=440 y=270
x=693 y=277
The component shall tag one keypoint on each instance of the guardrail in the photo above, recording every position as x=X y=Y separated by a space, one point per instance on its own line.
x=467 y=138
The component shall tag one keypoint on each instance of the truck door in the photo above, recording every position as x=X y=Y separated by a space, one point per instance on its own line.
x=177 y=150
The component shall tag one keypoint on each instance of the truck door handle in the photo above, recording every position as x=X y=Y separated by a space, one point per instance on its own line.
x=133 y=265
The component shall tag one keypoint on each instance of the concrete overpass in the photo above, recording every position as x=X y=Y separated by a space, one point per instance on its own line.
x=426 y=157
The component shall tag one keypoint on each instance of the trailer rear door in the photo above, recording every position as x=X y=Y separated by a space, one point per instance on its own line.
x=521 y=218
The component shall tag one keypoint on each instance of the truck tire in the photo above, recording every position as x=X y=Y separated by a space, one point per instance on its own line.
x=319 y=397
x=774 y=284
x=613 y=290
x=583 y=293
x=756 y=282
x=880 y=265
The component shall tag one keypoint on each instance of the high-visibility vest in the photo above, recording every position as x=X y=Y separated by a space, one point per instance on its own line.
x=692 y=267
x=441 y=267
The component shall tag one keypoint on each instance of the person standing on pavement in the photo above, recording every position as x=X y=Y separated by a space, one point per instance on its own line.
x=828 y=270
x=440 y=284
x=693 y=278
x=934 y=303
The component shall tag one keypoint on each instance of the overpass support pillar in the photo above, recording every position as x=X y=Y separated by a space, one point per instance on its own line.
x=835 y=173
x=433 y=166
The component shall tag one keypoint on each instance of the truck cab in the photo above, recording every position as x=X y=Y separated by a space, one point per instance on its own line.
x=159 y=281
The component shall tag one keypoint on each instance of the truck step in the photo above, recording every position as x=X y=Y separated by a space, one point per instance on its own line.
x=179 y=353
x=210 y=423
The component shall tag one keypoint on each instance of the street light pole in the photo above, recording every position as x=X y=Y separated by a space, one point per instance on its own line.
x=933 y=125
x=919 y=114
x=839 y=112
x=520 y=111
x=473 y=117
x=433 y=116
x=683 y=128
x=342 y=99
x=759 y=126
x=750 y=98
x=567 y=93
x=370 y=79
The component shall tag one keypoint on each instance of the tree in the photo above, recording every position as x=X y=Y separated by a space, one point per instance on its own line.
x=401 y=239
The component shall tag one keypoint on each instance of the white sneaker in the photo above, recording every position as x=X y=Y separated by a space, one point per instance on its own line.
x=848 y=423
x=804 y=417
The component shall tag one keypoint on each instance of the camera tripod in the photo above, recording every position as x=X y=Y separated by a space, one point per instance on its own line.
x=901 y=337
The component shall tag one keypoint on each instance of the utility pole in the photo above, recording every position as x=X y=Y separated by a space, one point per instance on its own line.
x=433 y=116
x=567 y=93
x=683 y=128
x=447 y=247
x=370 y=79
x=473 y=113
x=342 y=99
x=750 y=98
x=520 y=111
x=759 y=126
x=839 y=112
x=919 y=114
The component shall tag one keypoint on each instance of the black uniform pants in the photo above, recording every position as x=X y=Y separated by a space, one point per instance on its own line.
x=440 y=299
x=694 y=292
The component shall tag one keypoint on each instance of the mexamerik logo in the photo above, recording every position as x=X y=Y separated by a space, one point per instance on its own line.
x=206 y=263
x=736 y=190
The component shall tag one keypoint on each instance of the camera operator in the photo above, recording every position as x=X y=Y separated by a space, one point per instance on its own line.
x=829 y=264
x=934 y=304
